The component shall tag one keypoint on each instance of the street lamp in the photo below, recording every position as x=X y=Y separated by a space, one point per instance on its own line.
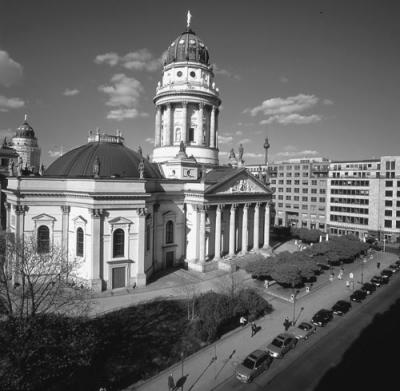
x=293 y=297
x=362 y=270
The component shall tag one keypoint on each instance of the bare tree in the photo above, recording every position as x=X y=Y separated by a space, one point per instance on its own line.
x=35 y=280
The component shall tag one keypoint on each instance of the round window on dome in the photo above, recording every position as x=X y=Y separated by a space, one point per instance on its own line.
x=179 y=74
x=202 y=44
x=182 y=41
x=192 y=41
x=173 y=44
x=193 y=74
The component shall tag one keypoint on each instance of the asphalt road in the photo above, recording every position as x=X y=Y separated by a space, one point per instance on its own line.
x=302 y=368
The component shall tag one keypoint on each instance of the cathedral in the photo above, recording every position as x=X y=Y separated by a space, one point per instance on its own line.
x=124 y=216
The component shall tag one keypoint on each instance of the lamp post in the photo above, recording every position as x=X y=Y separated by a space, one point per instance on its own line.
x=293 y=297
x=362 y=270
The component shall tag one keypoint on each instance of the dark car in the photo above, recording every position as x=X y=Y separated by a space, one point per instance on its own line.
x=281 y=344
x=358 y=296
x=397 y=262
x=341 y=307
x=323 y=266
x=393 y=267
x=322 y=317
x=254 y=364
x=378 y=280
x=368 y=288
x=386 y=273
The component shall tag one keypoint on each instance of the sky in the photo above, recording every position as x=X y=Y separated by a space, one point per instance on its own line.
x=318 y=77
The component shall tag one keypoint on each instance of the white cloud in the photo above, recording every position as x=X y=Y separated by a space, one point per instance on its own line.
x=71 y=92
x=6 y=133
x=140 y=60
x=245 y=141
x=254 y=155
x=56 y=151
x=280 y=106
x=294 y=118
x=290 y=148
x=284 y=79
x=224 y=72
x=10 y=103
x=327 y=102
x=110 y=59
x=239 y=133
x=297 y=153
x=123 y=95
x=149 y=140
x=10 y=70
x=224 y=138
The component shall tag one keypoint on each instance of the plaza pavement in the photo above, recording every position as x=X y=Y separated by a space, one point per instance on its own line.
x=209 y=367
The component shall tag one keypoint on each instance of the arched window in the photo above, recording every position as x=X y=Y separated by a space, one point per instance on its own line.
x=169 y=232
x=79 y=242
x=118 y=243
x=43 y=239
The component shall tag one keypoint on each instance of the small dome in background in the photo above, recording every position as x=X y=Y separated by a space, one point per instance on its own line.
x=25 y=130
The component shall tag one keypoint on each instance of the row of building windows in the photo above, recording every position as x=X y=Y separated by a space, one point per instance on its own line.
x=349 y=219
x=358 y=201
x=349 y=183
x=390 y=183
x=43 y=240
x=356 y=166
x=350 y=192
x=389 y=193
x=390 y=203
x=345 y=209
x=389 y=224
x=389 y=213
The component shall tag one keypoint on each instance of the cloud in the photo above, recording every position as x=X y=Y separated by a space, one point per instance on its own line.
x=149 y=140
x=297 y=153
x=224 y=138
x=254 y=155
x=71 y=92
x=239 y=133
x=224 y=72
x=280 y=106
x=123 y=95
x=245 y=141
x=56 y=151
x=284 y=79
x=6 y=133
x=287 y=119
x=327 y=102
x=10 y=103
x=10 y=70
x=140 y=60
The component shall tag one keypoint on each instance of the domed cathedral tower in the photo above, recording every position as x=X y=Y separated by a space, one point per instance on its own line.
x=187 y=102
x=25 y=144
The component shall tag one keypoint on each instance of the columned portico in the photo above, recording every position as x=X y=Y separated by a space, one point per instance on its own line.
x=266 y=226
x=157 y=140
x=202 y=234
x=256 y=240
x=184 y=121
x=232 y=230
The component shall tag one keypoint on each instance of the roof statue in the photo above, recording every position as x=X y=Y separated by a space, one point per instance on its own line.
x=182 y=147
x=266 y=147
x=232 y=154
x=41 y=169
x=189 y=18
x=241 y=150
x=141 y=169
x=96 y=167
x=11 y=167
x=140 y=151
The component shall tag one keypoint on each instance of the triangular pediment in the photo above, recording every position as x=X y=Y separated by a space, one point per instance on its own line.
x=43 y=217
x=120 y=220
x=243 y=183
x=79 y=220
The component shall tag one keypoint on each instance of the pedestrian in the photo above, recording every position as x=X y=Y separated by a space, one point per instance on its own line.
x=171 y=383
x=347 y=284
x=339 y=276
x=243 y=321
x=286 y=324
x=253 y=328
x=378 y=265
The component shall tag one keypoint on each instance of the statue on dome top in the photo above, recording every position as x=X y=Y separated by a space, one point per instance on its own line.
x=232 y=154
x=188 y=19
x=241 y=150
x=141 y=169
x=140 y=151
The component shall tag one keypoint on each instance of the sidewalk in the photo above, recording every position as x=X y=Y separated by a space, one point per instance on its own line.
x=211 y=366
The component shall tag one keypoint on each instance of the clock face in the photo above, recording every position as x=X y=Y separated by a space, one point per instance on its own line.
x=193 y=74
x=179 y=74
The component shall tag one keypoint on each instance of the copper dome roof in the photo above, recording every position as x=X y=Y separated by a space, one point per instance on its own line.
x=115 y=160
x=187 y=47
x=25 y=131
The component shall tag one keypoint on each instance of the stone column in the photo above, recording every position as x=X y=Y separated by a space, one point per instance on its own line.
x=7 y=208
x=185 y=121
x=97 y=259
x=266 y=226
x=245 y=236
x=256 y=240
x=167 y=125
x=232 y=230
x=218 y=232
x=216 y=127
x=202 y=235
x=65 y=226
x=212 y=128
x=157 y=140
x=19 y=241
x=200 y=128
x=141 y=278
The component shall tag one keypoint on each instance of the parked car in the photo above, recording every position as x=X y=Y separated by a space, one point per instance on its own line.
x=323 y=266
x=281 y=344
x=341 y=307
x=378 y=280
x=358 y=296
x=386 y=273
x=368 y=288
x=322 y=317
x=254 y=364
x=398 y=262
x=393 y=267
x=304 y=330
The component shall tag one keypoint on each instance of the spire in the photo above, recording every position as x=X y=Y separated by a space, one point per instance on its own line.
x=26 y=118
x=188 y=18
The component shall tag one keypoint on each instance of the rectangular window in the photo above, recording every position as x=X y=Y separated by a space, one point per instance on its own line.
x=388 y=193
x=313 y=191
x=313 y=199
x=289 y=182
x=304 y=199
x=388 y=213
x=296 y=198
x=321 y=199
x=191 y=134
x=296 y=190
x=388 y=223
x=288 y=197
x=304 y=207
x=305 y=191
x=280 y=197
x=398 y=224
x=314 y=183
x=280 y=205
x=389 y=183
x=388 y=203
x=297 y=182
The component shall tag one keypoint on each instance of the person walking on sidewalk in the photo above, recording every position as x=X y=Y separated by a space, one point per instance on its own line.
x=171 y=383
x=253 y=328
x=243 y=321
x=286 y=324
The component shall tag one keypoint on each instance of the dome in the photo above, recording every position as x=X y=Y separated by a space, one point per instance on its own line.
x=113 y=158
x=187 y=47
x=25 y=131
